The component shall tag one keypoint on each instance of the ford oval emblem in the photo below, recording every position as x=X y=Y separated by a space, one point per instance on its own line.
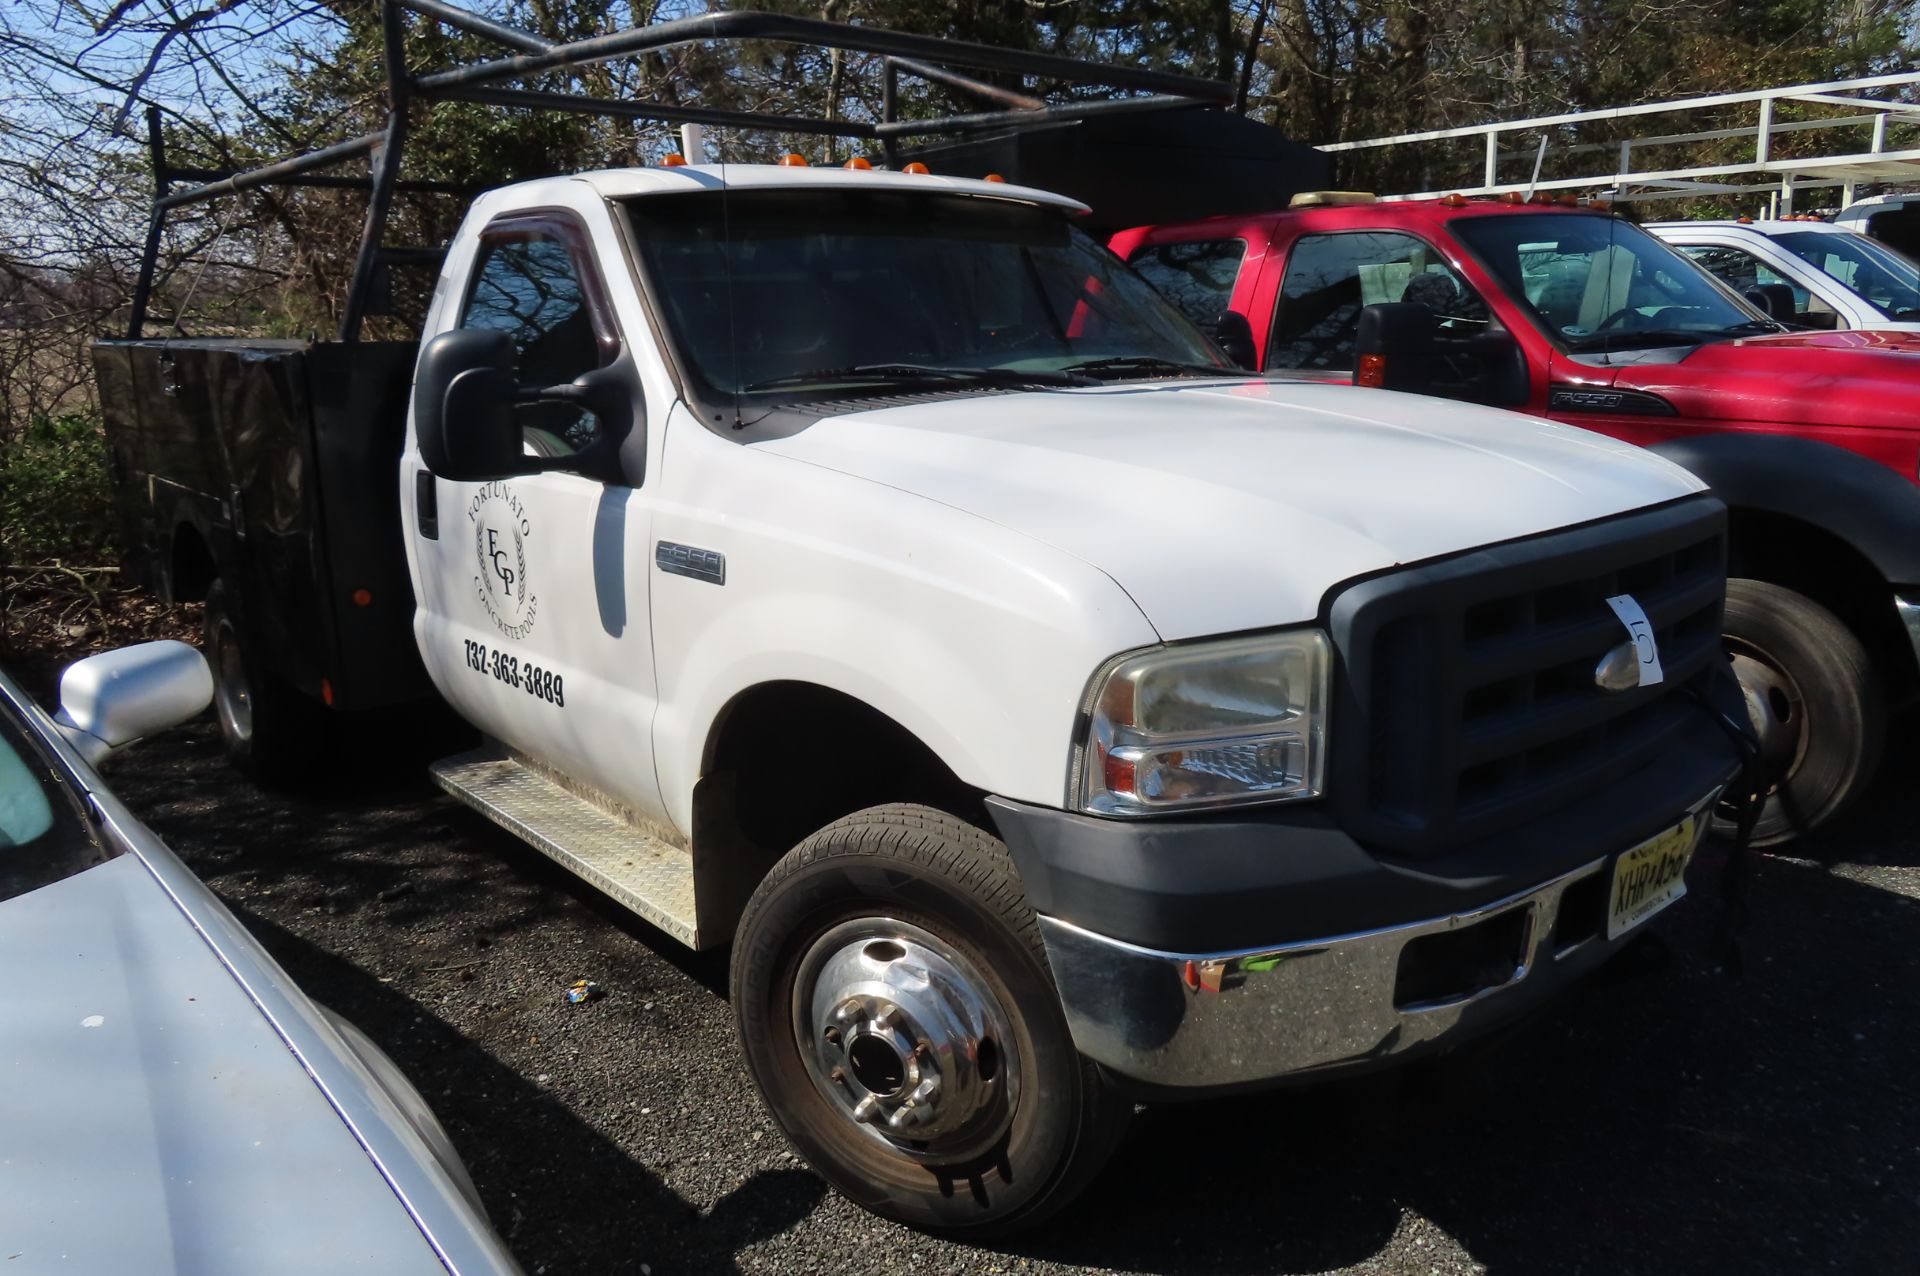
x=1619 y=669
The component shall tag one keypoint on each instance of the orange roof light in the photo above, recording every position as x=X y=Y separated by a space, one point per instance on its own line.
x=793 y=159
x=994 y=177
x=859 y=164
x=1455 y=200
x=675 y=160
x=916 y=167
x=1604 y=205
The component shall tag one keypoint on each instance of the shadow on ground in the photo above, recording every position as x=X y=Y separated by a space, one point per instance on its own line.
x=1667 y=1120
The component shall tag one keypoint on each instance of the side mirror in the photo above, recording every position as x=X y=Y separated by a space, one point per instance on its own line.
x=1400 y=346
x=1393 y=349
x=463 y=394
x=606 y=392
x=1775 y=301
x=1234 y=335
x=112 y=699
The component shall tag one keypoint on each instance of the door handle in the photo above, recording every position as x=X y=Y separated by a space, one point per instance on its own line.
x=426 y=504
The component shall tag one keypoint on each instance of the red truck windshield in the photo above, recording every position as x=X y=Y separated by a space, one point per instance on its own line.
x=1598 y=283
x=779 y=291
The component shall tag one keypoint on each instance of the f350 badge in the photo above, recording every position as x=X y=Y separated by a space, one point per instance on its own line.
x=500 y=531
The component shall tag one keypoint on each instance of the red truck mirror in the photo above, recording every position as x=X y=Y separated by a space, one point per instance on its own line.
x=1393 y=349
x=463 y=395
x=1400 y=345
x=1234 y=335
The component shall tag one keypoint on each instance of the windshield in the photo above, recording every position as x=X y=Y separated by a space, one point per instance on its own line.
x=778 y=292
x=1599 y=283
x=1868 y=268
x=42 y=835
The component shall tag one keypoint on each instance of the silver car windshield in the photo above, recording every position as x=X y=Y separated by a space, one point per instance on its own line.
x=43 y=837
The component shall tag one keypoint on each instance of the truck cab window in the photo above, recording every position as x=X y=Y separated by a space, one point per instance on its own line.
x=1331 y=278
x=1884 y=277
x=1196 y=275
x=528 y=285
x=1741 y=270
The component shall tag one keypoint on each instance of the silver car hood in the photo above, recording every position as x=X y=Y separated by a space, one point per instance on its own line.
x=152 y=1119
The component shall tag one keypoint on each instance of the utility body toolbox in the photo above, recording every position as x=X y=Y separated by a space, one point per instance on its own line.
x=272 y=465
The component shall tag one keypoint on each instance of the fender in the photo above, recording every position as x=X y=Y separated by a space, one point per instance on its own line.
x=1862 y=502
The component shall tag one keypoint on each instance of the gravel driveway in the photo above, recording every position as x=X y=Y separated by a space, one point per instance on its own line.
x=1665 y=1119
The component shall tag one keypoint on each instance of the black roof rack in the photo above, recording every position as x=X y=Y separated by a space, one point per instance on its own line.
x=932 y=58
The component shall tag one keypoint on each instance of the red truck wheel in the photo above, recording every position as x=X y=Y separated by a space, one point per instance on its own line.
x=900 y=1020
x=1814 y=700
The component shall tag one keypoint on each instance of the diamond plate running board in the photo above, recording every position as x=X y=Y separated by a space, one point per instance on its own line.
x=638 y=872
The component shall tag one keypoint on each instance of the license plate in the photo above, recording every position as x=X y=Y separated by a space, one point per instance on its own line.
x=1652 y=875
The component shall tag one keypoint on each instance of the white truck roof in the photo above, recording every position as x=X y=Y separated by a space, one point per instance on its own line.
x=1758 y=225
x=624 y=183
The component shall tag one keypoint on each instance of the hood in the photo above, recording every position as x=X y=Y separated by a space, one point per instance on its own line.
x=1896 y=338
x=155 y=1121
x=1222 y=506
x=1857 y=377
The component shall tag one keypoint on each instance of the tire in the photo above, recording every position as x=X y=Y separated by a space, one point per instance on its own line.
x=1020 y=1122
x=1815 y=701
x=271 y=730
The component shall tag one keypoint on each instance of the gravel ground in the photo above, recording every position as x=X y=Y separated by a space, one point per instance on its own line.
x=1664 y=1119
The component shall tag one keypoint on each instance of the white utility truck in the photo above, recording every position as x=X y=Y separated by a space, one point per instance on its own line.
x=867 y=568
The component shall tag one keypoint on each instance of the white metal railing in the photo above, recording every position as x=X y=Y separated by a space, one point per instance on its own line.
x=1764 y=174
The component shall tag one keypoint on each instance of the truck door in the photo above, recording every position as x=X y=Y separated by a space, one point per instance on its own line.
x=1329 y=278
x=533 y=606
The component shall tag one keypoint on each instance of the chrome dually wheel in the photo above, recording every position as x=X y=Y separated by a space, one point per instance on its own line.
x=902 y=1025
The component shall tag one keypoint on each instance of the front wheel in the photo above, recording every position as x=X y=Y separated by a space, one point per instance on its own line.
x=899 y=1018
x=1814 y=702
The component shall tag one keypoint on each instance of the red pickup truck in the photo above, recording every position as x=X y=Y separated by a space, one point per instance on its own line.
x=1574 y=313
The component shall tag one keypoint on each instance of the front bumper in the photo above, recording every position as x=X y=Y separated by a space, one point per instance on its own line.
x=1208 y=1020
x=1211 y=954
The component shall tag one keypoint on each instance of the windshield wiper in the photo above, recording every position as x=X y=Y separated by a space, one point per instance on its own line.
x=1643 y=337
x=882 y=373
x=1125 y=363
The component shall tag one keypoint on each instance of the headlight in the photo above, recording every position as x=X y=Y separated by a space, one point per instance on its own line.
x=1209 y=724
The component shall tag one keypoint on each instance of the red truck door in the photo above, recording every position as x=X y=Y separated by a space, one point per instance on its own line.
x=1318 y=279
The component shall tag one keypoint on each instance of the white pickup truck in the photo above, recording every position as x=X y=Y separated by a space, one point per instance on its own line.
x=868 y=568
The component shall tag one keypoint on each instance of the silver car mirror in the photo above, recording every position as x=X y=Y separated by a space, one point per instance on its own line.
x=112 y=699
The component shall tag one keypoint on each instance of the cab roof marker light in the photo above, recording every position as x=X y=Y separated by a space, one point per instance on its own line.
x=917 y=167
x=675 y=160
x=859 y=164
x=793 y=159
x=993 y=177
x=1332 y=199
x=1455 y=200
